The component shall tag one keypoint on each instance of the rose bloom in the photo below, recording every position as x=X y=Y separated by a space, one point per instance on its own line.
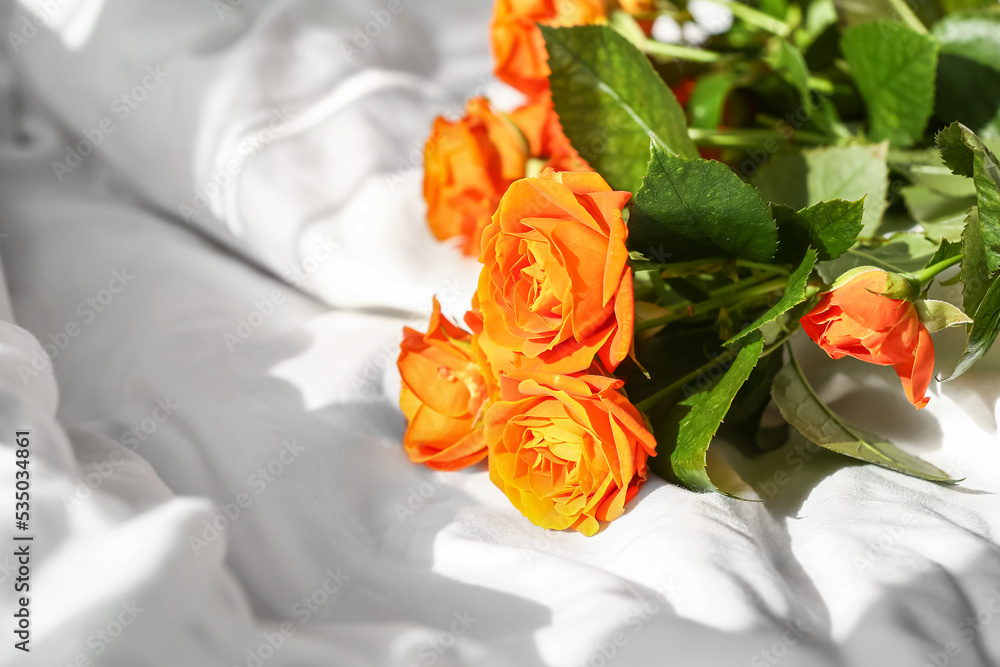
x=854 y=320
x=539 y=123
x=444 y=395
x=637 y=6
x=556 y=286
x=489 y=357
x=468 y=165
x=518 y=44
x=567 y=451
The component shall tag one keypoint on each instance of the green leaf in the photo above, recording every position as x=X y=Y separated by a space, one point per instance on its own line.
x=985 y=326
x=833 y=226
x=708 y=100
x=782 y=180
x=776 y=8
x=696 y=420
x=945 y=229
x=946 y=250
x=787 y=61
x=823 y=174
x=903 y=253
x=743 y=418
x=941 y=216
x=854 y=13
x=987 y=179
x=958 y=144
x=938 y=315
x=894 y=69
x=950 y=6
x=956 y=153
x=699 y=208
x=974 y=273
x=820 y=15
x=928 y=11
x=795 y=293
x=925 y=168
x=803 y=409
x=611 y=102
x=968 y=80
x=625 y=25
x=793 y=235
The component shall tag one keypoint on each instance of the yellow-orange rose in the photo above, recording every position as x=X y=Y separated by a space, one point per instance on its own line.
x=518 y=45
x=556 y=286
x=444 y=395
x=468 y=165
x=567 y=451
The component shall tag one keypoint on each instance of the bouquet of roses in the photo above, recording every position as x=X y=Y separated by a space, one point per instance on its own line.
x=687 y=186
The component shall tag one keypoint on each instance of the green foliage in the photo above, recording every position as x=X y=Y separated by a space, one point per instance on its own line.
x=696 y=420
x=803 y=409
x=946 y=250
x=975 y=274
x=824 y=174
x=894 y=68
x=611 y=102
x=966 y=155
x=699 y=208
x=984 y=329
x=903 y=253
x=968 y=80
x=795 y=293
x=825 y=142
x=833 y=226
x=708 y=101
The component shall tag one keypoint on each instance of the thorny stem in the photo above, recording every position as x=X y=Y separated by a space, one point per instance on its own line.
x=685 y=310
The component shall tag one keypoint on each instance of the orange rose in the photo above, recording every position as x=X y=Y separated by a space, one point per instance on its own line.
x=567 y=451
x=638 y=7
x=556 y=286
x=489 y=357
x=854 y=320
x=444 y=396
x=518 y=45
x=539 y=123
x=468 y=165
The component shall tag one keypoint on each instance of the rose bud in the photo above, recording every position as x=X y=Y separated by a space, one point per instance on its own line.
x=856 y=319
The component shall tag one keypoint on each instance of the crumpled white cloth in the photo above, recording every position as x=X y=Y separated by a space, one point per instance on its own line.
x=217 y=470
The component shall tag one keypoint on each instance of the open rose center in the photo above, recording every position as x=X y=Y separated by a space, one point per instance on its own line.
x=471 y=380
x=541 y=298
x=536 y=288
x=551 y=455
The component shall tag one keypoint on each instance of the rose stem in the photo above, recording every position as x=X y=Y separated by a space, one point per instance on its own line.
x=755 y=17
x=908 y=16
x=652 y=401
x=685 y=310
x=751 y=138
x=931 y=271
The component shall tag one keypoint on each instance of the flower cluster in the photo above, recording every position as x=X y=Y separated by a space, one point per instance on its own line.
x=531 y=386
x=469 y=163
x=649 y=285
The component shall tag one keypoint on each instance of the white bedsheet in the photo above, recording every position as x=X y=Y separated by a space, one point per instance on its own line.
x=198 y=387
